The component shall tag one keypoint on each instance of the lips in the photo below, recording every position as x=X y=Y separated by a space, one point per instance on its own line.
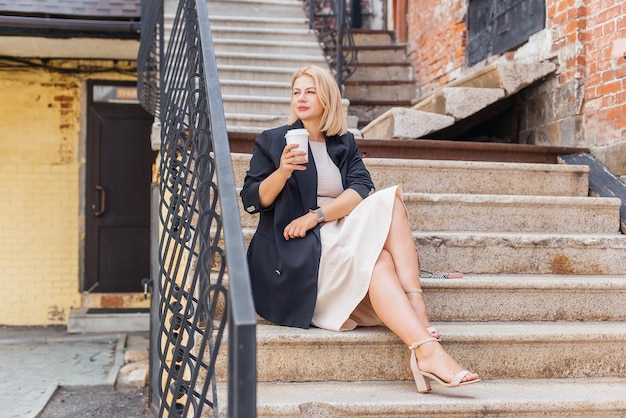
x=302 y=108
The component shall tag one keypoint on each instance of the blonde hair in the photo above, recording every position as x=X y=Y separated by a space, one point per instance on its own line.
x=333 y=120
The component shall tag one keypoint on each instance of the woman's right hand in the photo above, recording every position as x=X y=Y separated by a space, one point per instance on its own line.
x=292 y=160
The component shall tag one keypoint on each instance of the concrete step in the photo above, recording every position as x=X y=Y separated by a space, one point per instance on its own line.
x=522 y=253
x=382 y=90
x=522 y=297
x=372 y=38
x=517 y=253
x=395 y=53
x=254 y=73
x=301 y=33
x=413 y=122
x=260 y=46
x=499 y=397
x=501 y=213
x=255 y=88
x=496 y=350
x=259 y=22
x=506 y=297
x=498 y=213
x=255 y=123
x=368 y=110
x=265 y=8
x=460 y=102
x=383 y=71
x=472 y=177
x=511 y=76
x=293 y=62
x=86 y=320
x=466 y=177
x=262 y=105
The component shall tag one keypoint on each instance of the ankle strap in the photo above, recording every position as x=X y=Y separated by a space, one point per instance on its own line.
x=412 y=290
x=424 y=341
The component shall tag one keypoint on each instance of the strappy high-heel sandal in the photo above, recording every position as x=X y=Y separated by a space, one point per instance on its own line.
x=422 y=378
x=431 y=330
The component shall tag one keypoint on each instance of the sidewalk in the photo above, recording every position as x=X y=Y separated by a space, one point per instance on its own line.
x=40 y=364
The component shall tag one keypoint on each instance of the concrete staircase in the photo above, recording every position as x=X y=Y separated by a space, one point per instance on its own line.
x=457 y=101
x=259 y=44
x=540 y=313
x=384 y=78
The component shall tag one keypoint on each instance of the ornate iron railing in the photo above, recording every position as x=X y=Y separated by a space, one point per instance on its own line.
x=149 y=54
x=200 y=238
x=331 y=22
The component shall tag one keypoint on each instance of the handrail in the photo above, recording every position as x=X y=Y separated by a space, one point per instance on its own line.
x=200 y=238
x=331 y=23
x=148 y=55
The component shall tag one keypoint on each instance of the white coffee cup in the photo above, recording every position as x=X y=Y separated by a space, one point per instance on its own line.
x=300 y=137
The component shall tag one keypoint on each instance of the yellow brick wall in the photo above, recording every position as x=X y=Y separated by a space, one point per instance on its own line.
x=40 y=218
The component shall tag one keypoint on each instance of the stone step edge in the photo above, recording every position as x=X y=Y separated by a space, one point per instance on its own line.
x=168 y=17
x=531 y=201
x=520 y=282
x=526 y=397
x=516 y=200
x=412 y=164
x=525 y=239
x=529 y=282
x=457 y=332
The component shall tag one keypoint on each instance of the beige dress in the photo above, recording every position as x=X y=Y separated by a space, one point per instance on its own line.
x=350 y=248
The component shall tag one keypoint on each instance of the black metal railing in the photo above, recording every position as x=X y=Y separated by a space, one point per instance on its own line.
x=148 y=57
x=331 y=22
x=200 y=237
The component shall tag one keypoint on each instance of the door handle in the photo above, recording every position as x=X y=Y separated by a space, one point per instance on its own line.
x=103 y=202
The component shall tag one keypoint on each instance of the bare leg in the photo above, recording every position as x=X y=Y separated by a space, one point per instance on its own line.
x=393 y=307
x=401 y=246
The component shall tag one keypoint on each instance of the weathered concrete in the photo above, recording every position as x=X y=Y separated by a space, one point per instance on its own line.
x=512 y=350
x=522 y=253
x=401 y=123
x=460 y=102
x=465 y=177
x=524 y=297
x=508 y=75
x=501 y=213
x=79 y=321
x=525 y=398
x=492 y=83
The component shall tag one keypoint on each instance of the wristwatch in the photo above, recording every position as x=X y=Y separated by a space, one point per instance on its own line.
x=319 y=213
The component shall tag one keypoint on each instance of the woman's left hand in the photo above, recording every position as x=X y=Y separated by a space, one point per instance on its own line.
x=299 y=226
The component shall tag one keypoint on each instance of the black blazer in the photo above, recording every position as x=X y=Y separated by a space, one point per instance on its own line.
x=284 y=273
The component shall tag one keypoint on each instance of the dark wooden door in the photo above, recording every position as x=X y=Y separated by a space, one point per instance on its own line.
x=118 y=177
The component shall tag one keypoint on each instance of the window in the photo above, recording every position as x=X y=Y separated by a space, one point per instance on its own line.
x=496 y=26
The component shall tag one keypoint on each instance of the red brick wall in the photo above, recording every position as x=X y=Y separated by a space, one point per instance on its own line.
x=436 y=32
x=605 y=65
x=583 y=104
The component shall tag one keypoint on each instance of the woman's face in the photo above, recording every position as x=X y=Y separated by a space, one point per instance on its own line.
x=304 y=100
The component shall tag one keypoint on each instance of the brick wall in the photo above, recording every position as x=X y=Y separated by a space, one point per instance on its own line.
x=437 y=40
x=583 y=104
x=605 y=82
x=40 y=214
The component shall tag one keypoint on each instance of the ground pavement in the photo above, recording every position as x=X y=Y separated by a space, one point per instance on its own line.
x=46 y=372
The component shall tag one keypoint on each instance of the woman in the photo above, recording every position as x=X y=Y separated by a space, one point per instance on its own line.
x=328 y=251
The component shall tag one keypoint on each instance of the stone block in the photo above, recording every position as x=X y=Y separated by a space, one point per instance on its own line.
x=460 y=102
x=401 y=123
